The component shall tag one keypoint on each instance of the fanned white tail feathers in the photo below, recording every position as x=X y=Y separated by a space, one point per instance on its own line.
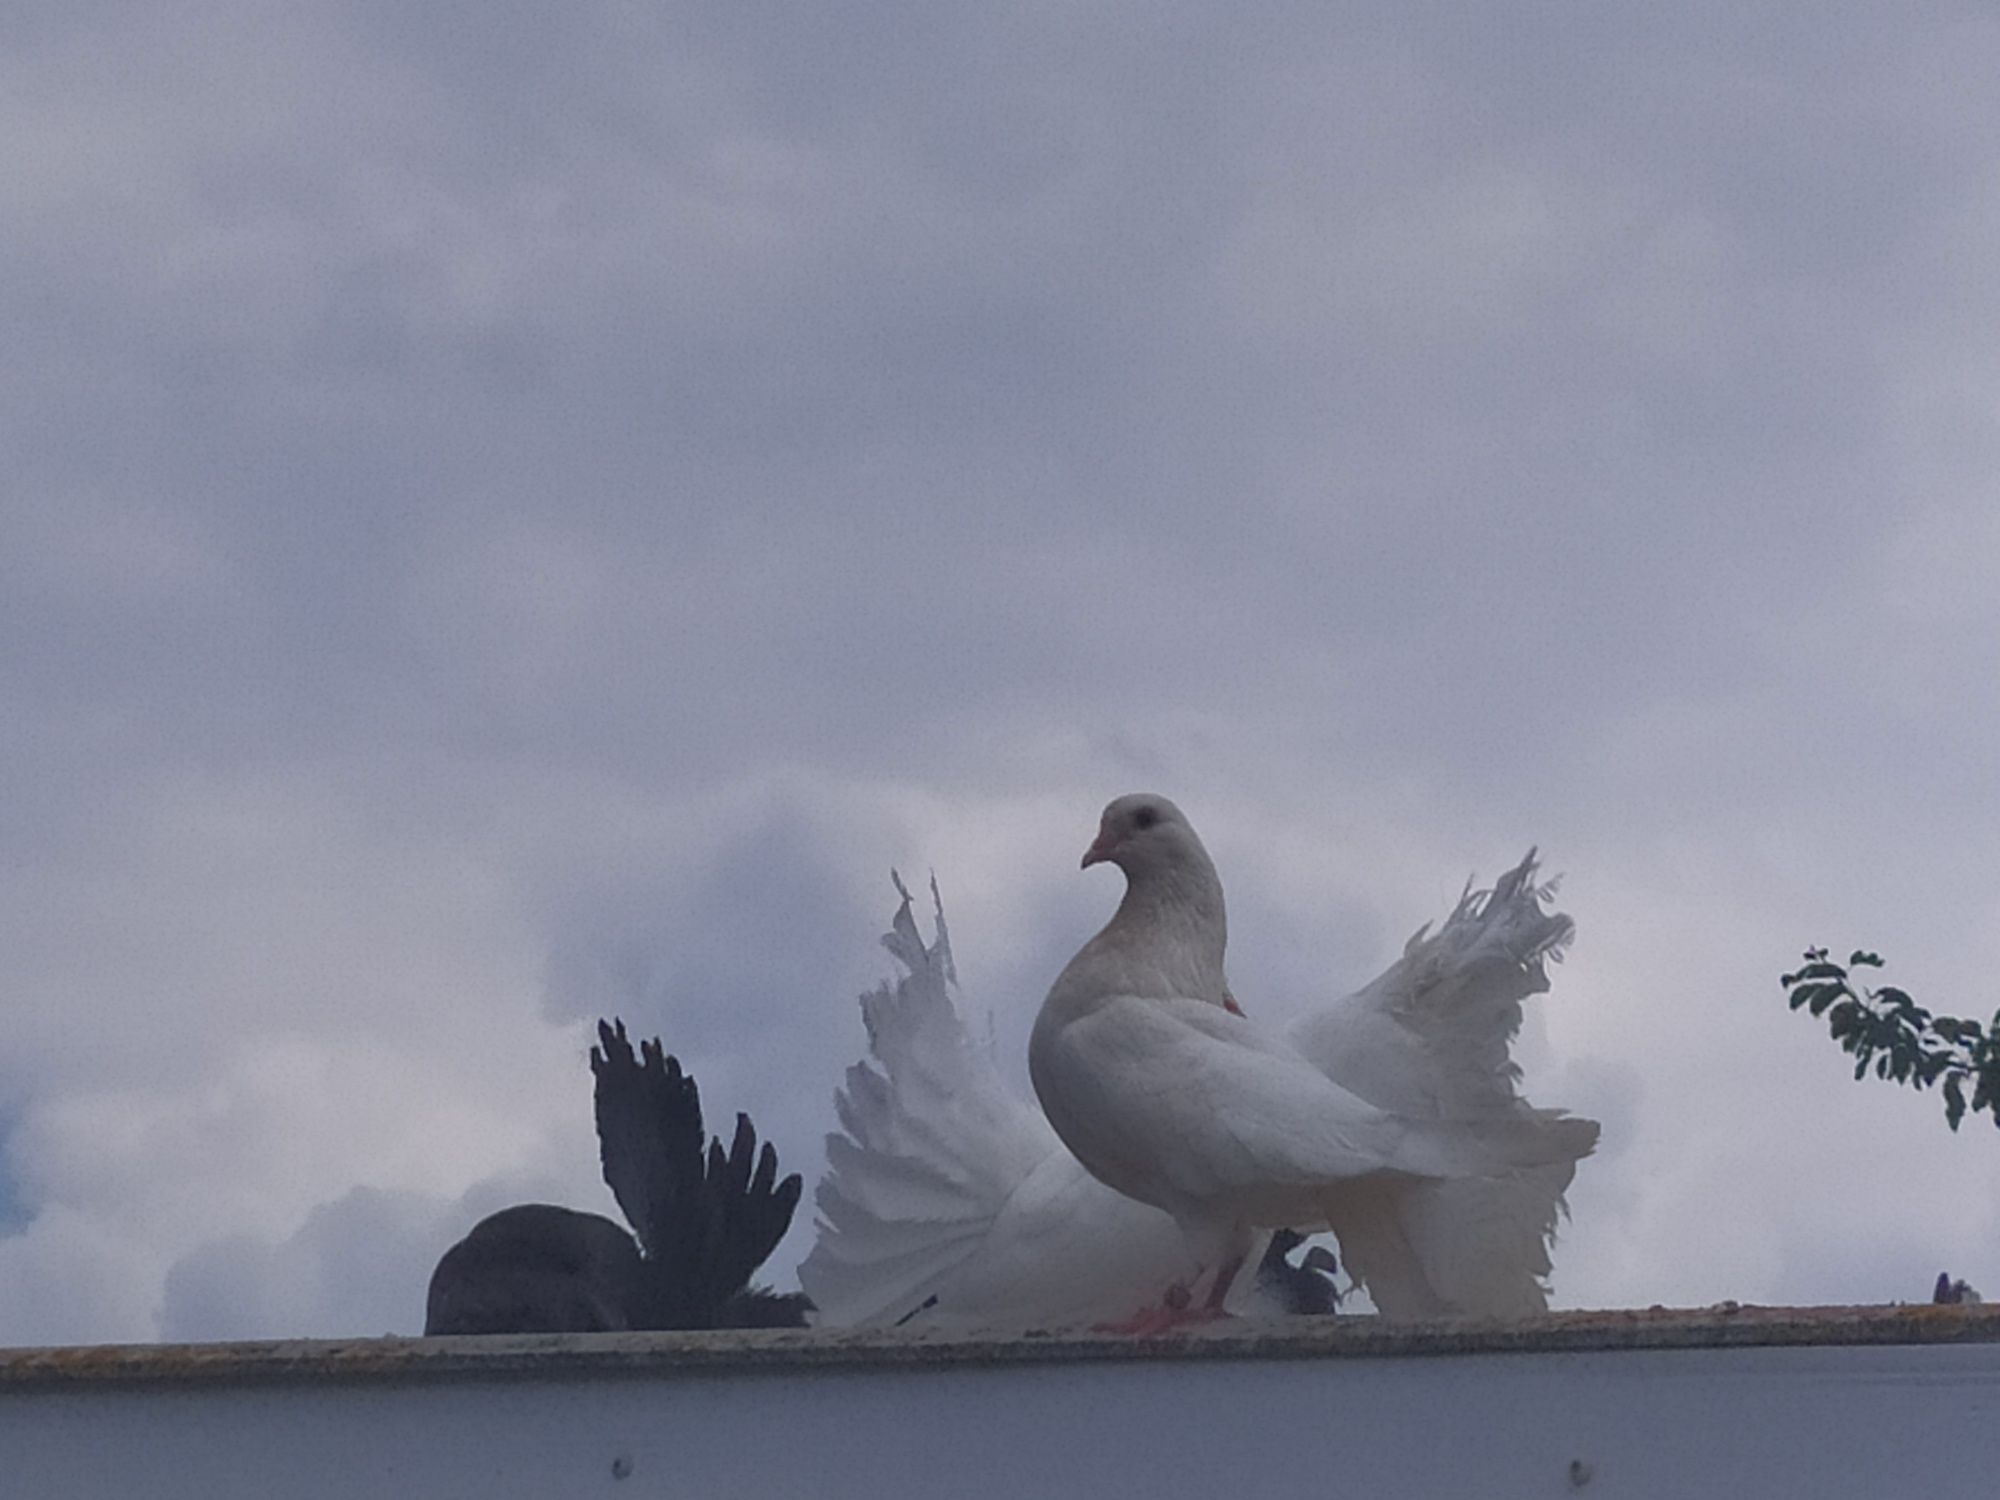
x=1432 y=1038
x=1433 y=1035
x=950 y=1199
x=931 y=1147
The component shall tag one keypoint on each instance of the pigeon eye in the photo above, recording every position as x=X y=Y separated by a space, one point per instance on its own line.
x=1145 y=818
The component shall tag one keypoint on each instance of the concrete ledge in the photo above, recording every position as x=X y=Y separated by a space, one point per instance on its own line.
x=665 y=1355
x=1859 y=1402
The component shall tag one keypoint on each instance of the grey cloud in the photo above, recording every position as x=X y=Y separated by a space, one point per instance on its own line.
x=356 y=1268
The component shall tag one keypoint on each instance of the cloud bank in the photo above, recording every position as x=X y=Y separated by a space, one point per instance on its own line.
x=521 y=512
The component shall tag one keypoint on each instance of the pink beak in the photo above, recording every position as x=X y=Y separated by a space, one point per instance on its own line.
x=1097 y=853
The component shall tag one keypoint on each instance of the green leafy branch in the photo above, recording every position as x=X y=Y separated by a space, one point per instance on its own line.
x=1889 y=1031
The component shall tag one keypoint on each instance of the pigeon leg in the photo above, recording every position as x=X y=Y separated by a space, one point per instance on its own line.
x=1223 y=1277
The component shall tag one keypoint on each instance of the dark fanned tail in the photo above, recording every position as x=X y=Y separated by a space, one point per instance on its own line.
x=706 y=1220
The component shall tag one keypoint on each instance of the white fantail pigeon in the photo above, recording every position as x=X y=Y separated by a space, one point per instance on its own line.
x=950 y=1200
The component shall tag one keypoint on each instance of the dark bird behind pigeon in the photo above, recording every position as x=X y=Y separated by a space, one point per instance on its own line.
x=705 y=1220
x=1306 y=1286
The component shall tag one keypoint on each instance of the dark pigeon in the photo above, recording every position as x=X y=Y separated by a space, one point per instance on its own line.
x=1307 y=1287
x=704 y=1218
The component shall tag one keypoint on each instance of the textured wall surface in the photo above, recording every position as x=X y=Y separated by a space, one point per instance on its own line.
x=1734 y=1402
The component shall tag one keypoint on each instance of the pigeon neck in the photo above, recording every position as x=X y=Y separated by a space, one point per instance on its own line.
x=1185 y=900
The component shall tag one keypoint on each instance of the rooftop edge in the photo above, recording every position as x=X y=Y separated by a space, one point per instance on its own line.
x=611 y=1355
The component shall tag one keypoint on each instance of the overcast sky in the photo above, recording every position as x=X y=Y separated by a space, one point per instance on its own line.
x=520 y=511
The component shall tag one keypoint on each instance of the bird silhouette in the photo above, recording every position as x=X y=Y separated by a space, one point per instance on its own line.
x=702 y=1221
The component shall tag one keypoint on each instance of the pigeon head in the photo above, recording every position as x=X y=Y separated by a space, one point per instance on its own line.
x=1143 y=831
x=1171 y=927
